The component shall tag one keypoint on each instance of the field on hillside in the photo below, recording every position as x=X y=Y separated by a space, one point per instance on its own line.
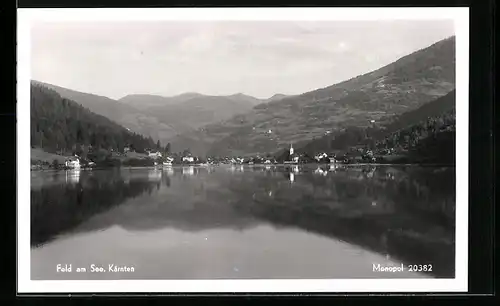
x=38 y=154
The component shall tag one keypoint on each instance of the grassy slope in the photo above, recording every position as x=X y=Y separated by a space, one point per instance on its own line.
x=40 y=155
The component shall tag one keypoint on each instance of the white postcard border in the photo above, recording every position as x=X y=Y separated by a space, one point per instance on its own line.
x=26 y=17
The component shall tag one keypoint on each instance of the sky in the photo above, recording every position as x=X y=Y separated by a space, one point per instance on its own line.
x=258 y=58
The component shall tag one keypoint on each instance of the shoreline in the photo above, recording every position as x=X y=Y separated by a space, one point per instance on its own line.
x=254 y=165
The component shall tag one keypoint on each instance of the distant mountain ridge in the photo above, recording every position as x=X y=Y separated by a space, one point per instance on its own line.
x=401 y=86
x=146 y=100
x=161 y=117
x=190 y=111
x=276 y=97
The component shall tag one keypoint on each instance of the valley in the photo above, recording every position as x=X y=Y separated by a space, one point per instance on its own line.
x=372 y=106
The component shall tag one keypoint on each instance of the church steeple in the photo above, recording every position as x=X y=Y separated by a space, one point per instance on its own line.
x=291 y=149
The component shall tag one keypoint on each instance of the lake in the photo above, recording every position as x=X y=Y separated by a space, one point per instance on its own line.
x=243 y=222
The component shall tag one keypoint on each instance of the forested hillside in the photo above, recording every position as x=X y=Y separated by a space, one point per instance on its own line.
x=121 y=113
x=429 y=141
x=426 y=134
x=59 y=125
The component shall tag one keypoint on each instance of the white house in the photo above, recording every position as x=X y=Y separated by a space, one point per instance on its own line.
x=237 y=160
x=154 y=154
x=168 y=161
x=188 y=159
x=73 y=162
x=320 y=156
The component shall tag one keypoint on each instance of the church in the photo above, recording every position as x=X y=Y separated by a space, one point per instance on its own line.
x=293 y=157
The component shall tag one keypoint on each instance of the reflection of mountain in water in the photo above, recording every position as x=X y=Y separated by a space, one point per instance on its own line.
x=60 y=206
x=404 y=213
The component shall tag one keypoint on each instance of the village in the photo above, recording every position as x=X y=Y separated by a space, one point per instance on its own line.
x=156 y=158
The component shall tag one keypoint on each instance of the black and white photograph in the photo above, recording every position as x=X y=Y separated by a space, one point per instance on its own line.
x=242 y=149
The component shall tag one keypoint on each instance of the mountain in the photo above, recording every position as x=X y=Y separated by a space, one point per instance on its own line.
x=123 y=114
x=141 y=101
x=190 y=111
x=242 y=98
x=401 y=86
x=412 y=133
x=198 y=111
x=161 y=117
x=276 y=97
x=60 y=125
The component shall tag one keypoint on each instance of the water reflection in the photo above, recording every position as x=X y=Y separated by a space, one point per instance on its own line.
x=320 y=171
x=155 y=175
x=61 y=205
x=405 y=214
x=168 y=170
x=188 y=170
x=72 y=176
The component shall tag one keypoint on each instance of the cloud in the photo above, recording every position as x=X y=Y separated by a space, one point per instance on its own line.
x=256 y=58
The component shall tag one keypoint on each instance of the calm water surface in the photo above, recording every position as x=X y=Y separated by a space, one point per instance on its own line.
x=243 y=222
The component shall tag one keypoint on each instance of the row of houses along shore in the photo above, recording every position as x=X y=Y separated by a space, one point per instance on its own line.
x=157 y=158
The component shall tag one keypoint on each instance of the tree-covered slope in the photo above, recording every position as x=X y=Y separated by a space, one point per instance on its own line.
x=126 y=115
x=61 y=125
x=426 y=134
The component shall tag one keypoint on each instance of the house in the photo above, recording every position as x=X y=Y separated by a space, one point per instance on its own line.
x=73 y=162
x=320 y=156
x=188 y=159
x=154 y=154
x=126 y=149
x=168 y=161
